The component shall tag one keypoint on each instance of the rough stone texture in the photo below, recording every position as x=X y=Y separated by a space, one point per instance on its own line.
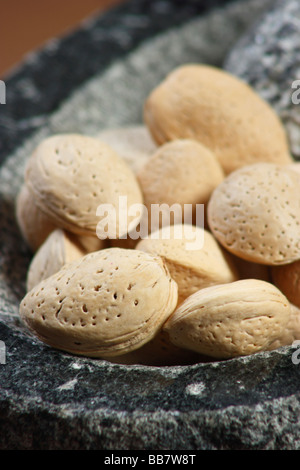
x=52 y=400
x=268 y=58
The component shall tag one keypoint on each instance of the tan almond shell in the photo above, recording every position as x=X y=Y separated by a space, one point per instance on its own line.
x=254 y=214
x=70 y=175
x=133 y=143
x=287 y=279
x=195 y=268
x=35 y=225
x=225 y=114
x=58 y=249
x=291 y=332
x=107 y=303
x=225 y=321
x=180 y=172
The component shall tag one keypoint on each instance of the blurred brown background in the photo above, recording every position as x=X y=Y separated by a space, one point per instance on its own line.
x=26 y=24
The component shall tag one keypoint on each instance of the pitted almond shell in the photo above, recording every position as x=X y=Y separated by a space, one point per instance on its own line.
x=34 y=224
x=71 y=175
x=194 y=258
x=225 y=321
x=205 y=103
x=254 y=214
x=133 y=143
x=180 y=172
x=105 y=304
x=58 y=249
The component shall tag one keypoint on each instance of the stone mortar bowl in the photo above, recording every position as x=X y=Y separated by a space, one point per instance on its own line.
x=94 y=78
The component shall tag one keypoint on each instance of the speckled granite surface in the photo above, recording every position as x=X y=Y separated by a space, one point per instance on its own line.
x=52 y=400
x=270 y=63
x=78 y=403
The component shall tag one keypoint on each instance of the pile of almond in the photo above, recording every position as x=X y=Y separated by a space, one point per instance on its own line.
x=144 y=298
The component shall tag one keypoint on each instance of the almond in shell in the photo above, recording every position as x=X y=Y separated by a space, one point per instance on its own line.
x=194 y=258
x=59 y=248
x=205 y=103
x=182 y=172
x=254 y=214
x=225 y=321
x=71 y=175
x=105 y=304
x=34 y=224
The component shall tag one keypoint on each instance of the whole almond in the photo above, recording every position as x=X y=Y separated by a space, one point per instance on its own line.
x=254 y=214
x=105 y=304
x=225 y=321
x=133 y=143
x=194 y=258
x=205 y=103
x=58 y=249
x=72 y=175
x=34 y=224
x=180 y=172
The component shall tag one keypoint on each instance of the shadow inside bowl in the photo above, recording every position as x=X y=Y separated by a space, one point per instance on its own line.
x=15 y=255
